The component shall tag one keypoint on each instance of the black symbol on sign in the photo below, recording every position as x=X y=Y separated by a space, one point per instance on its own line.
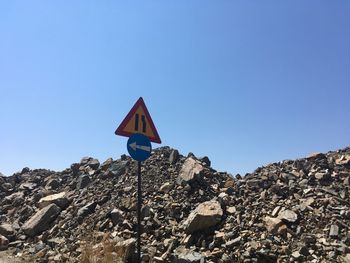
x=143 y=120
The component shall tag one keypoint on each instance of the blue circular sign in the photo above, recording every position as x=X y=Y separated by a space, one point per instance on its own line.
x=139 y=147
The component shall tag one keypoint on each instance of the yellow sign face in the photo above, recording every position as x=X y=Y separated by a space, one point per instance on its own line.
x=139 y=124
x=138 y=120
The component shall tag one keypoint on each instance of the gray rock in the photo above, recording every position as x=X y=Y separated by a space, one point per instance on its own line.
x=116 y=216
x=166 y=187
x=288 y=215
x=94 y=164
x=233 y=242
x=85 y=160
x=185 y=255
x=27 y=186
x=174 y=156
x=296 y=255
x=7 y=187
x=206 y=215
x=75 y=168
x=25 y=170
x=53 y=184
x=205 y=160
x=127 y=203
x=275 y=211
x=83 y=181
x=334 y=231
x=86 y=210
x=118 y=168
x=272 y=224
x=323 y=176
x=145 y=211
x=106 y=163
x=55 y=242
x=41 y=220
x=4 y=243
x=309 y=239
x=254 y=183
x=7 y=230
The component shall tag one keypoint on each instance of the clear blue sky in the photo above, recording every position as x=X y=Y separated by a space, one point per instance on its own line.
x=244 y=82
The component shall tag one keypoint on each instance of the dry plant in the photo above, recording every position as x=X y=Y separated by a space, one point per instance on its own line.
x=104 y=251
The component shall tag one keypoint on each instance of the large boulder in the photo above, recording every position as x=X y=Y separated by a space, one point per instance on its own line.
x=191 y=170
x=59 y=199
x=206 y=215
x=41 y=220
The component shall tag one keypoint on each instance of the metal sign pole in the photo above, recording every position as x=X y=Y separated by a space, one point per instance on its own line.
x=139 y=127
x=139 y=204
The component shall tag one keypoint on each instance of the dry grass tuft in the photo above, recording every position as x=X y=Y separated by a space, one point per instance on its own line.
x=104 y=251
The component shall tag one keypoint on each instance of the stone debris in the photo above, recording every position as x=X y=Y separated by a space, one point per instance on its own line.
x=289 y=211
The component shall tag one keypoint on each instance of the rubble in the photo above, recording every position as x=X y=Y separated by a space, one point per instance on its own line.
x=293 y=210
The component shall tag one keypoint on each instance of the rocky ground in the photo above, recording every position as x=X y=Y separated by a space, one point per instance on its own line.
x=291 y=211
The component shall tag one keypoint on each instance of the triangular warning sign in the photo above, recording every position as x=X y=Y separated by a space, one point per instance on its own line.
x=138 y=120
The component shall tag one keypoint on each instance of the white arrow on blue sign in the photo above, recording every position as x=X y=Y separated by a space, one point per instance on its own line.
x=139 y=147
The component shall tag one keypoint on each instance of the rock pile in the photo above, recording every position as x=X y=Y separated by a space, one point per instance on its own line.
x=291 y=211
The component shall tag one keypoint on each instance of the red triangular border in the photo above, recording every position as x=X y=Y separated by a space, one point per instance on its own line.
x=139 y=103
